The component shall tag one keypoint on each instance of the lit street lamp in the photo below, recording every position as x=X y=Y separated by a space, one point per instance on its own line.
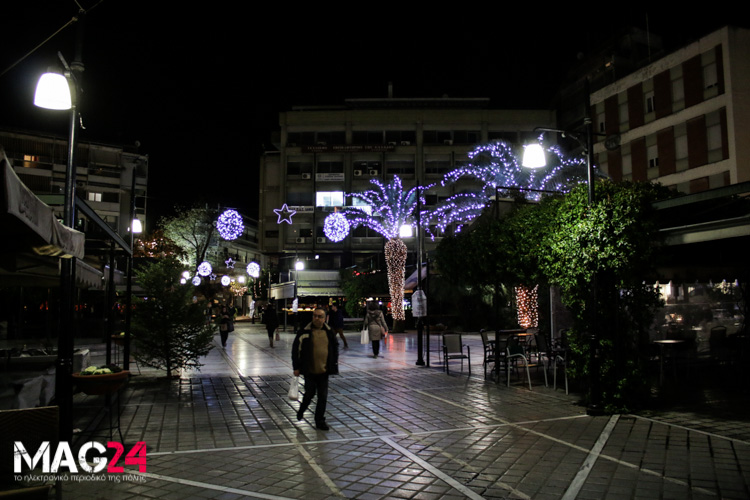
x=533 y=157
x=61 y=92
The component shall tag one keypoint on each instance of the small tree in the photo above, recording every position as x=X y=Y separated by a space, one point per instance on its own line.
x=169 y=328
x=193 y=231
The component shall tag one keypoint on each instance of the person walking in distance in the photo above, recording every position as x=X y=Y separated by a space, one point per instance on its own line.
x=336 y=322
x=376 y=326
x=315 y=355
x=271 y=319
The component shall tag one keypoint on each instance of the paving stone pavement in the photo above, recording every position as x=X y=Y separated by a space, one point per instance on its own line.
x=402 y=431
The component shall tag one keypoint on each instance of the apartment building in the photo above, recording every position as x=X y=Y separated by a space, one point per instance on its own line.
x=108 y=177
x=326 y=152
x=684 y=119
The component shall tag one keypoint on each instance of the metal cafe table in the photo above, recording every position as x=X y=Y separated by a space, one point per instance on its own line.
x=665 y=344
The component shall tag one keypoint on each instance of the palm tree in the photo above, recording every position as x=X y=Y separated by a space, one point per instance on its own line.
x=384 y=210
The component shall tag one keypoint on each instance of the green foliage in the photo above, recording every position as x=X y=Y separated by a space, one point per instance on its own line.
x=614 y=245
x=483 y=264
x=169 y=328
x=564 y=242
x=358 y=286
x=193 y=231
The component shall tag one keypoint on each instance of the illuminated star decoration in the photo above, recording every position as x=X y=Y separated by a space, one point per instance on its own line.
x=230 y=263
x=213 y=277
x=336 y=227
x=230 y=225
x=204 y=269
x=284 y=214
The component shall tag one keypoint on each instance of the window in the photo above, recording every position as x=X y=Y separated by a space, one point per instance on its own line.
x=401 y=137
x=437 y=137
x=365 y=167
x=400 y=165
x=329 y=199
x=437 y=164
x=299 y=166
x=649 y=100
x=368 y=137
x=652 y=154
x=330 y=167
x=91 y=196
x=466 y=137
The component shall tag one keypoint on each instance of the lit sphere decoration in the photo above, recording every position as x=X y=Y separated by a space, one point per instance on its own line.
x=336 y=227
x=197 y=280
x=230 y=225
x=226 y=280
x=253 y=269
x=204 y=269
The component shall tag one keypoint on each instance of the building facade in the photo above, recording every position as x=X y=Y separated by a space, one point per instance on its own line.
x=325 y=152
x=684 y=119
x=111 y=179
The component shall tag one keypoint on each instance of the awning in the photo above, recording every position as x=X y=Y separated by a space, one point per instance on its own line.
x=412 y=282
x=29 y=225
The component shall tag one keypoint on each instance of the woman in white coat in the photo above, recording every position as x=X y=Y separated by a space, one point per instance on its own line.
x=376 y=326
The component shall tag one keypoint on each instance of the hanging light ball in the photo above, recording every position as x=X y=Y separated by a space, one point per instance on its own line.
x=253 y=269
x=196 y=280
x=336 y=227
x=204 y=269
x=230 y=225
x=226 y=280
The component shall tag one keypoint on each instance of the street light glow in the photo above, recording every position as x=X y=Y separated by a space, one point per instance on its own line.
x=53 y=92
x=533 y=156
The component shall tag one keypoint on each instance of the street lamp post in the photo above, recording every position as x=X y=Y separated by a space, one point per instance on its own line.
x=61 y=92
x=534 y=158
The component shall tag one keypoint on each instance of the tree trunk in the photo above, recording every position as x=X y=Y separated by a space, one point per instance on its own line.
x=395 y=259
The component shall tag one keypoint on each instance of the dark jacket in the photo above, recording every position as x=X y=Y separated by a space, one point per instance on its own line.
x=302 y=351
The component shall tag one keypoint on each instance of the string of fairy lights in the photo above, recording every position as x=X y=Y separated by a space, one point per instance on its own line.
x=387 y=207
x=527 y=305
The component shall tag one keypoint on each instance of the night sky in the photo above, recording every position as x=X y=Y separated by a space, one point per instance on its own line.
x=201 y=89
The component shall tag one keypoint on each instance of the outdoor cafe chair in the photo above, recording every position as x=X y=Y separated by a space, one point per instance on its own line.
x=514 y=354
x=489 y=350
x=453 y=348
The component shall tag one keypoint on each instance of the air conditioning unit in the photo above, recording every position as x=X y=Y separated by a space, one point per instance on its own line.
x=300 y=240
x=374 y=172
x=307 y=176
x=406 y=143
x=357 y=173
x=448 y=142
x=321 y=239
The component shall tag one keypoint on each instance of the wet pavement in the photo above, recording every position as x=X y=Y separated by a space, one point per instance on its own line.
x=398 y=430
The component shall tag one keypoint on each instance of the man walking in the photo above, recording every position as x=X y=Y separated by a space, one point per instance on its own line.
x=336 y=322
x=315 y=354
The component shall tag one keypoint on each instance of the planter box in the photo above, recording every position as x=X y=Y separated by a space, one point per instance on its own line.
x=107 y=383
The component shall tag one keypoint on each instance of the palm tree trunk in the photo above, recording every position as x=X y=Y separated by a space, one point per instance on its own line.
x=395 y=259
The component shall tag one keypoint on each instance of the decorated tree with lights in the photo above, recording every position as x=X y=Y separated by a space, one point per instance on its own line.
x=496 y=165
x=384 y=210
